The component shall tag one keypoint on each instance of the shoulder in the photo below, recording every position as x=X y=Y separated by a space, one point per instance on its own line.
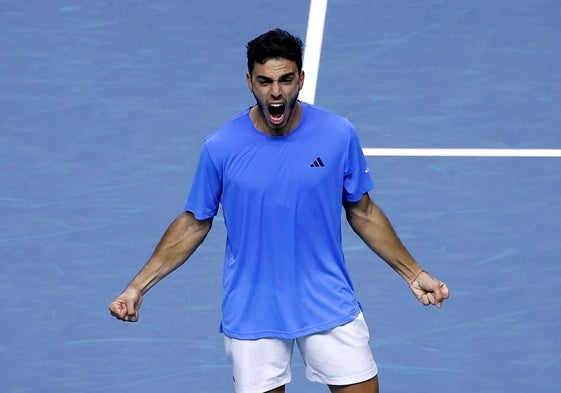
x=230 y=136
x=230 y=130
x=319 y=113
x=329 y=123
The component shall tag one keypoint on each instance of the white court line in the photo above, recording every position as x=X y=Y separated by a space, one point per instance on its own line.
x=462 y=152
x=312 y=55
x=312 y=49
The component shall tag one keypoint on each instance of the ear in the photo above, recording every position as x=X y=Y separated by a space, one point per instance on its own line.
x=301 y=81
x=249 y=82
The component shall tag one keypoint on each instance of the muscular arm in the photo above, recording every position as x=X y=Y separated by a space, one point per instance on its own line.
x=178 y=243
x=373 y=227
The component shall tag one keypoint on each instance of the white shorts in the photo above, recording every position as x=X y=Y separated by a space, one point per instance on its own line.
x=340 y=356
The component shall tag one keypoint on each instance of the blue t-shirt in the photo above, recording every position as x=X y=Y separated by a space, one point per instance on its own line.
x=281 y=197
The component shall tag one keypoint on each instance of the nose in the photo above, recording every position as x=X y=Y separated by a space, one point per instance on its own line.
x=276 y=90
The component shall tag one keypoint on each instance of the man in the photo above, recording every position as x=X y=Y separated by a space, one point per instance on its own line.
x=282 y=171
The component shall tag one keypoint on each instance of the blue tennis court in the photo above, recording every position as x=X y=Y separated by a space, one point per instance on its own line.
x=104 y=107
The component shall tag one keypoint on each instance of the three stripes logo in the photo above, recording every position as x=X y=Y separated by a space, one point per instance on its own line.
x=317 y=163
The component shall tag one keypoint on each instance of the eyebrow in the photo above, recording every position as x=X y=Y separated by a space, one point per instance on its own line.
x=264 y=78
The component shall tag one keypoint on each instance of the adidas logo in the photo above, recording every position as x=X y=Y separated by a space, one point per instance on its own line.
x=317 y=163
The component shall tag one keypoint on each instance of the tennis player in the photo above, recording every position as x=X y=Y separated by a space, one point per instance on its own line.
x=283 y=170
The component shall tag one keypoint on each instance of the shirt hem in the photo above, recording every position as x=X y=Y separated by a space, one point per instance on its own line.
x=291 y=335
x=199 y=215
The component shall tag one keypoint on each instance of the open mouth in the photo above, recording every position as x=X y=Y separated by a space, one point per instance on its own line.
x=276 y=111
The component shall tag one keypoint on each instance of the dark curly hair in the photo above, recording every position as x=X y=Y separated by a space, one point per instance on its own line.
x=274 y=44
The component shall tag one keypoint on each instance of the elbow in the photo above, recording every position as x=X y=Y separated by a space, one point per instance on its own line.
x=193 y=227
x=356 y=222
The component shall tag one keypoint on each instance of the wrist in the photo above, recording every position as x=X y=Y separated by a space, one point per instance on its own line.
x=416 y=277
x=134 y=289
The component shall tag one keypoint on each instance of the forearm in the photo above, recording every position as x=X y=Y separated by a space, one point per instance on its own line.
x=178 y=243
x=373 y=227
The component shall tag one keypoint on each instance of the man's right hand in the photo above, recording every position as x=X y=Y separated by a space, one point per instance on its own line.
x=126 y=306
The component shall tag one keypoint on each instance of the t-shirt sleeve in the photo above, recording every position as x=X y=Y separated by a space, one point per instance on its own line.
x=357 y=179
x=204 y=197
